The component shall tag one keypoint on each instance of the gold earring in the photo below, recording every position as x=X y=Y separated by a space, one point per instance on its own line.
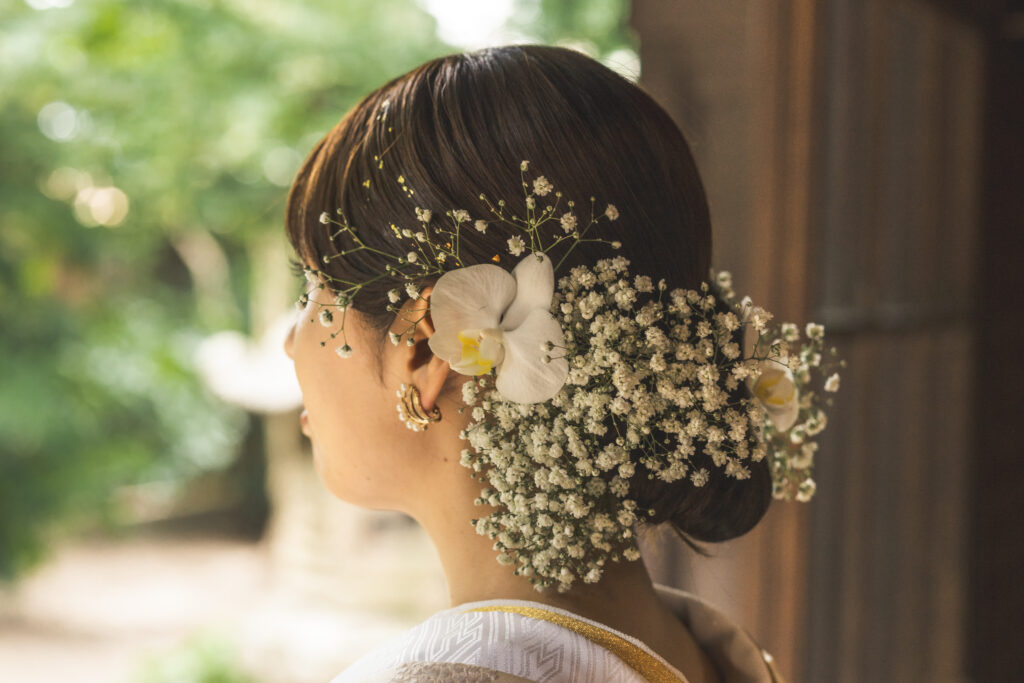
x=411 y=412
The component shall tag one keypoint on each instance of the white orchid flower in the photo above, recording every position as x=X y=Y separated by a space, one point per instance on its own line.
x=777 y=392
x=484 y=318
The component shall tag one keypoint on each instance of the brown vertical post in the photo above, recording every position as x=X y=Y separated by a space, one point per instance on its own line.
x=839 y=141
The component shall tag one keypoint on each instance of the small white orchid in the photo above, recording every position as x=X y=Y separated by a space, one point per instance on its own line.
x=484 y=318
x=776 y=390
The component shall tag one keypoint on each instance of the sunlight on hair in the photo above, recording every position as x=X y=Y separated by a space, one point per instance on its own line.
x=625 y=62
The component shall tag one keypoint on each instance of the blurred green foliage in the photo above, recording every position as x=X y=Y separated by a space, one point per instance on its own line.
x=206 y=657
x=146 y=147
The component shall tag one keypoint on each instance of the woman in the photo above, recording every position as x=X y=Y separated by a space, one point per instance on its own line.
x=407 y=221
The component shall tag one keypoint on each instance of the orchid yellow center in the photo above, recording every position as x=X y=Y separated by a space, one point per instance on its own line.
x=765 y=390
x=481 y=349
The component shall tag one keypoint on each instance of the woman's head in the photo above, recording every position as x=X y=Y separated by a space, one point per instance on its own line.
x=458 y=126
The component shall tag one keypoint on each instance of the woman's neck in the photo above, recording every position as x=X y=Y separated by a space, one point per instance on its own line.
x=474 y=574
x=624 y=599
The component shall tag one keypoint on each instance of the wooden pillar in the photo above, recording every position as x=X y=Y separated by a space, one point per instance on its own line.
x=839 y=141
x=997 y=468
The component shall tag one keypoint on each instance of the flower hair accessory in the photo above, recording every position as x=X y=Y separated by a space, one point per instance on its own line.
x=585 y=382
x=484 y=317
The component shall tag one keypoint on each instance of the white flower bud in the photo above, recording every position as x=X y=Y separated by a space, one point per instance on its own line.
x=832 y=383
x=815 y=331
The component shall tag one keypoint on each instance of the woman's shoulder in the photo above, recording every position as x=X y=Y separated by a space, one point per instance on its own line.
x=497 y=636
x=735 y=653
x=521 y=640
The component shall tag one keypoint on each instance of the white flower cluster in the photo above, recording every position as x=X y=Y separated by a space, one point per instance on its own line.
x=433 y=247
x=650 y=383
x=658 y=387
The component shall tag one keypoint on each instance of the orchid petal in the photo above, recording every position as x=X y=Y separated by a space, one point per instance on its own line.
x=783 y=419
x=523 y=376
x=535 y=286
x=777 y=392
x=467 y=298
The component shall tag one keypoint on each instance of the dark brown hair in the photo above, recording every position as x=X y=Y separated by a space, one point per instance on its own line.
x=458 y=126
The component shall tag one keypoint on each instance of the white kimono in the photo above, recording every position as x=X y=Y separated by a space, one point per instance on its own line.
x=516 y=640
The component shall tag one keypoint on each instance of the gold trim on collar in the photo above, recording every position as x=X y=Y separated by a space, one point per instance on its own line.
x=636 y=657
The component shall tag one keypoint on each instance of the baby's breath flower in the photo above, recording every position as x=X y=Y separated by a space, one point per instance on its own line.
x=325 y=218
x=700 y=477
x=344 y=350
x=568 y=221
x=326 y=317
x=412 y=290
x=611 y=212
x=411 y=257
x=480 y=225
x=423 y=215
x=832 y=383
x=815 y=331
x=806 y=489
x=541 y=186
x=460 y=215
x=516 y=245
x=393 y=296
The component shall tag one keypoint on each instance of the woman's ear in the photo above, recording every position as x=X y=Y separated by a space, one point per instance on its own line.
x=429 y=372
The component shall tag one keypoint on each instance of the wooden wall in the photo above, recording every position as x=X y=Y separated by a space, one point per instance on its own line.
x=840 y=142
x=996 y=549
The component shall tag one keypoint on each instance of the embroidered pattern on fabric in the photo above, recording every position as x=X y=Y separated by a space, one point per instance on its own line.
x=442 y=672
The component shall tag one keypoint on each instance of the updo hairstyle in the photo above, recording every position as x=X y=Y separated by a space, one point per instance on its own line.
x=458 y=126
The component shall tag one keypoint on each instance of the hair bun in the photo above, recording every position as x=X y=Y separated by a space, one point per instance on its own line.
x=723 y=508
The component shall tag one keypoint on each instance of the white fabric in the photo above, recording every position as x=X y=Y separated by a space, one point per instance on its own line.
x=539 y=650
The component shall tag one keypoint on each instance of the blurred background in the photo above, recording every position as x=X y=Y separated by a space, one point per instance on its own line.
x=159 y=516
